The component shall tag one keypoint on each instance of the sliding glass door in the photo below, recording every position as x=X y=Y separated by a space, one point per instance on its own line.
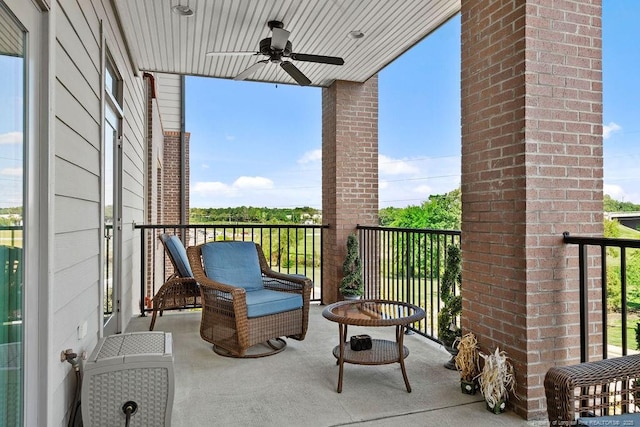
x=12 y=166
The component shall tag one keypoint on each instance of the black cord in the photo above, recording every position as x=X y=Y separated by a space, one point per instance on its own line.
x=75 y=408
x=129 y=408
x=76 y=401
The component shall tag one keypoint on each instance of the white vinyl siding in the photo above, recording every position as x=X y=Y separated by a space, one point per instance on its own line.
x=77 y=128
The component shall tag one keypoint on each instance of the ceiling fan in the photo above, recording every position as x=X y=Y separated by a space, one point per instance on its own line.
x=278 y=49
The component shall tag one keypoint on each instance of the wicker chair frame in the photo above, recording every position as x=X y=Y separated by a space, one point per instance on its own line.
x=601 y=388
x=224 y=311
x=176 y=293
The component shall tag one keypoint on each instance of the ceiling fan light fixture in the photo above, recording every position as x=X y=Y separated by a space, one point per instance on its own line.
x=182 y=10
x=355 y=35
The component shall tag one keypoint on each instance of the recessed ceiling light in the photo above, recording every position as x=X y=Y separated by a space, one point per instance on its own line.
x=356 y=35
x=182 y=10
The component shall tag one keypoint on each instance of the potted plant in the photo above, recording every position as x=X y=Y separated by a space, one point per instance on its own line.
x=496 y=380
x=636 y=382
x=448 y=330
x=352 y=285
x=467 y=363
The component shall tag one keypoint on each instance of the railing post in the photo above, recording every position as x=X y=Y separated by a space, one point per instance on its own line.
x=584 y=304
x=603 y=278
x=623 y=294
x=143 y=265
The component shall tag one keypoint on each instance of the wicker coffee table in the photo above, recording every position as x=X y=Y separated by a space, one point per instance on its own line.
x=373 y=313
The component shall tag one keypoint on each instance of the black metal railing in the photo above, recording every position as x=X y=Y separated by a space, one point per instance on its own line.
x=107 y=308
x=11 y=284
x=406 y=264
x=11 y=235
x=290 y=249
x=614 y=256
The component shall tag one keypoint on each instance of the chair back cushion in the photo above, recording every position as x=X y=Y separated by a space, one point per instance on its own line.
x=233 y=263
x=178 y=253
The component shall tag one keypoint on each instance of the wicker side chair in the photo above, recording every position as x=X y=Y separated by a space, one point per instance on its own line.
x=246 y=304
x=180 y=290
x=605 y=389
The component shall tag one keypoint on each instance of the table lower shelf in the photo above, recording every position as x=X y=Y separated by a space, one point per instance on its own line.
x=382 y=352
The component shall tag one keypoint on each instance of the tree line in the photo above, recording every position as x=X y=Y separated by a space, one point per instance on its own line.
x=249 y=214
x=611 y=205
x=438 y=212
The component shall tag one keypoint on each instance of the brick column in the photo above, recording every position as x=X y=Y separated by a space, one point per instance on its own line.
x=349 y=171
x=172 y=197
x=531 y=169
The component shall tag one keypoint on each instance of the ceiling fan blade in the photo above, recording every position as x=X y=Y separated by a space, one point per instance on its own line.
x=333 y=60
x=279 y=38
x=231 y=53
x=296 y=74
x=254 y=68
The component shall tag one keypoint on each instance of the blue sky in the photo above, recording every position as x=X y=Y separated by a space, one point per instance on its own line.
x=621 y=91
x=255 y=144
x=11 y=123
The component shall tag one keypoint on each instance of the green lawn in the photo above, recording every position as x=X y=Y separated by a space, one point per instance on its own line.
x=614 y=330
x=628 y=233
x=11 y=238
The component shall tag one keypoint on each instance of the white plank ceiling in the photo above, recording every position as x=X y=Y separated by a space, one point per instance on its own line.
x=11 y=37
x=163 y=41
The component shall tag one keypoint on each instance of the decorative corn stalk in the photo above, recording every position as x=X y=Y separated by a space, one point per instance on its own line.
x=496 y=380
x=467 y=359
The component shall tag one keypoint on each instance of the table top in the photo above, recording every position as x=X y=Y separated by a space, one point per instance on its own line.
x=373 y=313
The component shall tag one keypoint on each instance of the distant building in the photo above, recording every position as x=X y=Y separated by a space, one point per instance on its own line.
x=628 y=219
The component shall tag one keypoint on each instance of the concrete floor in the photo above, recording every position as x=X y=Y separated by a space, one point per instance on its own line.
x=298 y=386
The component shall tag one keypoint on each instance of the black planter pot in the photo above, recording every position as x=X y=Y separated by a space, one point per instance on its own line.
x=499 y=408
x=468 y=387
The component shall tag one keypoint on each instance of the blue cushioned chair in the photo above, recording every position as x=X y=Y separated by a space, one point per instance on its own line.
x=180 y=290
x=244 y=302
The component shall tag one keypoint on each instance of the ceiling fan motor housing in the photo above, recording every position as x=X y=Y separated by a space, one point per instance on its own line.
x=265 y=49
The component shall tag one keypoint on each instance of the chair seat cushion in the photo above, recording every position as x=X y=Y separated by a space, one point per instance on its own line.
x=265 y=302
x=233 y=263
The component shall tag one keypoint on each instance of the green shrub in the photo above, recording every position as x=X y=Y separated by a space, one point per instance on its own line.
x=448 y=329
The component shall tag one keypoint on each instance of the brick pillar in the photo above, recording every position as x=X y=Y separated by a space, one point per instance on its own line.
x=531 y=169
x=172 y=196
x=349 y=171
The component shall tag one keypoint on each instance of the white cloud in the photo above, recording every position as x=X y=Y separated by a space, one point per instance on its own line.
x=615 y=191
x=204 y=166
x=390 y=166
x=311 y=156
x=252 y=183
x=424 y=190
x=11 y=172
x=212 y=189
x=618 y=192
x=607 y=130
x=220 y=189
x=230 y=137
x=426 y=176
x=621 y=177
x=10 y=138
